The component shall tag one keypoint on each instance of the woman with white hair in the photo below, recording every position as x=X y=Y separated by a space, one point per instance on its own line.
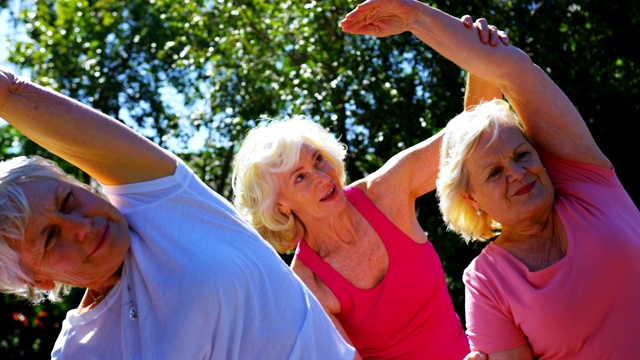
x=559 y=280
x=170 y=269
x=359 y=247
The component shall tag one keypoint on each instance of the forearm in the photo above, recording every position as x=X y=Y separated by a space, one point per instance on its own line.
x=478 y=90
x=105 y=148
x=497 y=64
x=545 y=110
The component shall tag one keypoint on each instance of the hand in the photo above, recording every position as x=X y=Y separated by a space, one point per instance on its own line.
x=488 y=33
x=380 y=17
x=476 y=355
x=7 y=81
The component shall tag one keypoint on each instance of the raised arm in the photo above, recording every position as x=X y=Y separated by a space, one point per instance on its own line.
x=414 y=170
x=106 y=149
x=549 y=117
x=478 y=91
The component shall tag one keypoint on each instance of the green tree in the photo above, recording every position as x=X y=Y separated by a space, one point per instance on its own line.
x=172 y=69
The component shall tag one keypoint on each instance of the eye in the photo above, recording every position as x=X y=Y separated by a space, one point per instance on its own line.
x=299 y=178
x=319 y=159
x=50 y=238
x=495 y=173
x=523 y=155
x=67 y=203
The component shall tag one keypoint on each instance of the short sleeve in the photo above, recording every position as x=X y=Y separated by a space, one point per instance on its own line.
x=490 y=326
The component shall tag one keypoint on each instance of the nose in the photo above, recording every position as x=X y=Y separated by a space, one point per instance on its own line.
x=76 y=226
x=321 y=177
x=515 y=172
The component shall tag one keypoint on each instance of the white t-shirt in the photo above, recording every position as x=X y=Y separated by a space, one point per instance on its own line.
x=198 y=283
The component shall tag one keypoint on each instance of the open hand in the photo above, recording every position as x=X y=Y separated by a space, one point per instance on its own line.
x=380 y=17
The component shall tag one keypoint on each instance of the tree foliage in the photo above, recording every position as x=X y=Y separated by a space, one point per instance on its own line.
x=174 y=70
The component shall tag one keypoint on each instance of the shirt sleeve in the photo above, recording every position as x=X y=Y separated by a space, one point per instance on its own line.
x=490 y=326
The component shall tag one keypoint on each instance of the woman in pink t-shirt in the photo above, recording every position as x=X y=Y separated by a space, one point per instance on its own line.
x=559 y=280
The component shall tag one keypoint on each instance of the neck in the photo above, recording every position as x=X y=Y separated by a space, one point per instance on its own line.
x=94 y=295
x=537 y=250
x=333 y=232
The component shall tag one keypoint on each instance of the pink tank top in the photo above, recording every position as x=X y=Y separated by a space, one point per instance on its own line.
x=409 y=314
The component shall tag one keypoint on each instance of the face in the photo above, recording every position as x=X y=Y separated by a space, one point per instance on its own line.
x=507 y=178
x=73 y=236
x=311 y=187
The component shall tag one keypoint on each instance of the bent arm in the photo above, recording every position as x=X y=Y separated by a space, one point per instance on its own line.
x=478 y=91
x=414 y=170
x=549 y=117
x=106 y=149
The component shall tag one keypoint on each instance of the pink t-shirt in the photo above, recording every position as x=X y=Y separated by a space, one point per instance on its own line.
x=587 y=305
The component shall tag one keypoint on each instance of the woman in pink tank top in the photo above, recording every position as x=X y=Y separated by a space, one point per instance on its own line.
x=359 y=248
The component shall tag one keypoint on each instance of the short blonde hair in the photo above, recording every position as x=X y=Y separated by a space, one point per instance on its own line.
x=272 y=147
x=461 y=137
x=14 y=215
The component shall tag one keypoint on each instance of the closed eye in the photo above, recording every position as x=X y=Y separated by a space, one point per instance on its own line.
x=495 y=173
x=67 y=203
x=50 y=237
x=523 y=155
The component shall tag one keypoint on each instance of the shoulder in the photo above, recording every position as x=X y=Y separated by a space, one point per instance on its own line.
x=487 y=262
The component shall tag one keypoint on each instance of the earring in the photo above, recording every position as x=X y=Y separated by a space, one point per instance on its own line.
x=479 y=212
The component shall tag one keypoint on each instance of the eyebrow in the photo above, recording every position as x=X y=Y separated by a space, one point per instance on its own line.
x=513 y=151
x=313 y=155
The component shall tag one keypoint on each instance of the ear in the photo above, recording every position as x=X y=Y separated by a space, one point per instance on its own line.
x=283 y=209
x=45 y=284
x=470 y=199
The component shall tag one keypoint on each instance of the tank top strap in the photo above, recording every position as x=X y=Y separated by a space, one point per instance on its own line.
x=338 y=285
x=386 y=229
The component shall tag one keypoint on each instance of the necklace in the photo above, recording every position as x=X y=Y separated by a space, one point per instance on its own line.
x=97 y=298
x=133 y=312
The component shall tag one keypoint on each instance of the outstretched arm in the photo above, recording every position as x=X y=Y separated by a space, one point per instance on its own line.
x=549 y=117
x=106 y=149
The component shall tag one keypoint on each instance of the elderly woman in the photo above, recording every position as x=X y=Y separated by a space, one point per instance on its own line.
x=170 y=269
x=359 y=248
x=559 y=281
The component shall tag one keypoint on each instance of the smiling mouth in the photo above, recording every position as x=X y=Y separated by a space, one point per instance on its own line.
x=525 y=189
x=329 y=194
x=101 y=238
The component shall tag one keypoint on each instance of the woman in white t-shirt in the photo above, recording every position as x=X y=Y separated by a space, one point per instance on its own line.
x=170 y=268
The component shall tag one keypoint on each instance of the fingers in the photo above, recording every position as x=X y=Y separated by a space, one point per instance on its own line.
x=483 y=30
x=467 y=21
x=475 y=355
x=493 y=35
x=489 y=34
x=358 y=16
x=503 y=37
x=496 y=35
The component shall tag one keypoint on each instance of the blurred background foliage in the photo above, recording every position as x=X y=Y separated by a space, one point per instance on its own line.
x=195 y=75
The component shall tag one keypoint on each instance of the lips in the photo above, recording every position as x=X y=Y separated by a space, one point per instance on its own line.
x=329 y=193
x=101 y=237
x=526 y=189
